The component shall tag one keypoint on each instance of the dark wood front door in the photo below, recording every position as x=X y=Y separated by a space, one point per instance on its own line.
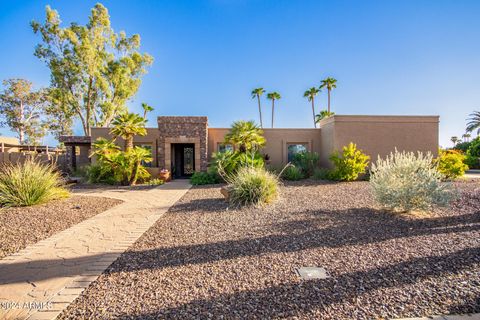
x=184 y=159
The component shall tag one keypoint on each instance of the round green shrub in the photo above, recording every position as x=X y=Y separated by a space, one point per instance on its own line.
x=253 y=186
x=29 y=183
x=202 y=178
x=348 y=165
x=451 y=164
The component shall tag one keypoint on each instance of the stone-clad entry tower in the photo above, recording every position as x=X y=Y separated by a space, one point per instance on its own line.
x=182 y=144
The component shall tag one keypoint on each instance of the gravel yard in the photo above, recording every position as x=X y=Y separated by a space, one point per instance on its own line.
x=205 y=260
x=22 y=226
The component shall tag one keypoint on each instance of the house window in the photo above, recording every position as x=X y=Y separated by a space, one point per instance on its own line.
x=149 y=148
x=294 y=148
x=222 y=147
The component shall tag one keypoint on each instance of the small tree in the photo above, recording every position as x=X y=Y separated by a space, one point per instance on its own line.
x=128 y=125
x=246 y=136
x=21 y=108
x=350 y=164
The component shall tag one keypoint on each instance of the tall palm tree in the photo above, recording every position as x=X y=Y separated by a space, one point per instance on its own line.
x=257 y=93
x=329 y=83
x=246 y=136
x=273 y=96
x=322 y=115
x=146 y=109
x=466 y=137
x=310 y=94
x=474 y=122
x=454 y=140
x=128 y=125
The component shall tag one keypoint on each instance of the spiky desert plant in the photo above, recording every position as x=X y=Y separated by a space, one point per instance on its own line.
x=30 y=183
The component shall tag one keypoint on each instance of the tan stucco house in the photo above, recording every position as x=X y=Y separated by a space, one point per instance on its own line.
x=185 y=144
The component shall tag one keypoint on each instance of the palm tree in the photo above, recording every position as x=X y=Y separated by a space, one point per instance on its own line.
x=273 y=96
x=146 y=109
x=310 y=94
x=257 y=93
x=454 y=140
x=466 y=137
x=323 y=114
x=102 y=148
x=137 y=156
x=128 y=125
x=246 y=136
x=329 y=83
x=474 y=122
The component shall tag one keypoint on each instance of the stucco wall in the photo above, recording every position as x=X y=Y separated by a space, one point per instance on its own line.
x=277 y=141
x=380 y=135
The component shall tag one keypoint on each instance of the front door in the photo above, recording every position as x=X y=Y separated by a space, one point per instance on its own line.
x=184 y=159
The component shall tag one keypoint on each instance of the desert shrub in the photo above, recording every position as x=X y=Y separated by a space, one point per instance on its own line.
x=292 y=173
x=463 y=146
x=98 y=173
x=252 y=186
x=321 y=174
x=230 y=162
x=406 y=181
x=155 y=182
x=201 y=178
x=307 y=162
x=29 y=183
x=451 y=164
x=348 y=165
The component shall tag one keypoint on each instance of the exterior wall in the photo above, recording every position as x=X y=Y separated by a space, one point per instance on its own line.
x=380 y=135
x=277 y=141
x=151 y=138
x=182 y=130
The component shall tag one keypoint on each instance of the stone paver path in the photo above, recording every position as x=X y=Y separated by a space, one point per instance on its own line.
x=43 y=279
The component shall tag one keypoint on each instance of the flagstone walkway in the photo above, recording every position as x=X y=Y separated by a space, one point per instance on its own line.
x=43 y=279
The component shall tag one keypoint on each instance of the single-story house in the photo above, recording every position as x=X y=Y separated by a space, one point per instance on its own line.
x=184 y=144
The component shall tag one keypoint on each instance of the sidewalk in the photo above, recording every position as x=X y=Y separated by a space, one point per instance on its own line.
x=43 y=279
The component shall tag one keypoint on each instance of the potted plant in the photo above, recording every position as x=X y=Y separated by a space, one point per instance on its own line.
x=165 y=175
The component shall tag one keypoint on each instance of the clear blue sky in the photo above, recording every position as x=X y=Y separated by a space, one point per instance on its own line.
x=390 y=57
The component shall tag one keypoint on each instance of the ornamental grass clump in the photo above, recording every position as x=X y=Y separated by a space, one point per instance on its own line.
x=405 y=181
x=30 y=183
x=252 y=186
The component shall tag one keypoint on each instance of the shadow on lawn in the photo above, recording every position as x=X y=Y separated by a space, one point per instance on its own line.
x=292 y=299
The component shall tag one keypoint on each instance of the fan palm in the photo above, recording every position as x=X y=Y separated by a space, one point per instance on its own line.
x=466 y=137
x=146 y=109
x=102 y=148
x=323 y=114
x=329 y=83
x=454 y=140
x=127 y=125
x=246 y=136
x=136 y=157
x=273 y=96
x=474 y=122
x=310 y=94
x=257 y=93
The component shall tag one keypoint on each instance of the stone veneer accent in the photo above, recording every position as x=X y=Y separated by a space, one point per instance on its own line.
x=182 y=130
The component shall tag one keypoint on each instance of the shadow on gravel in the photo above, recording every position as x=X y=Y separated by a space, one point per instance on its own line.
x=343 y=228
x=292 y=299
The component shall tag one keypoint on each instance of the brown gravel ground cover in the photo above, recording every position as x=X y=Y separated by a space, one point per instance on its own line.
x=22 y=226
x=204 y=260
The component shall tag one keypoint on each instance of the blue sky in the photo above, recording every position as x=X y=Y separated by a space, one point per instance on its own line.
x=389 y=57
